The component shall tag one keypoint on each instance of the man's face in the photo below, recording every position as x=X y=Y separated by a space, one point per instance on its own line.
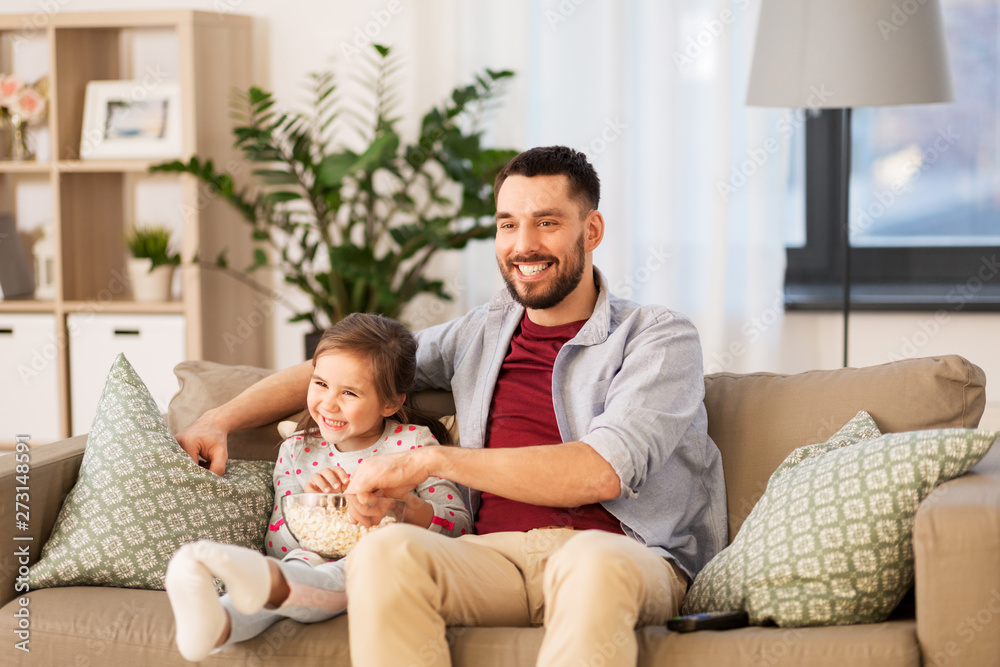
x=540 y=243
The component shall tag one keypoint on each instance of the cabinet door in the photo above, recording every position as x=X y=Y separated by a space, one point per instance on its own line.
x=153 y=344
x=29 y=395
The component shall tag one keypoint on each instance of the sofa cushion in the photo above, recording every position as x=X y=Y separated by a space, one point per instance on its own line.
x=861 y=428
x=907 y=395
x=81 y=625
x=830 y=541
x=139 y=497
x=889 y=644
x=207 y=384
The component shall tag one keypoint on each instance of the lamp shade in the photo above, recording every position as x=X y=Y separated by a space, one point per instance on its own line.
x=830 y=54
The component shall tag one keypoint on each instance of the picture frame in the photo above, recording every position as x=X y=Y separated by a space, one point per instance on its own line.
x=16 y=277
x=131 y=120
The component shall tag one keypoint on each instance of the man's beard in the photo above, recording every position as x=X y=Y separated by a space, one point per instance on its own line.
x=537 y=296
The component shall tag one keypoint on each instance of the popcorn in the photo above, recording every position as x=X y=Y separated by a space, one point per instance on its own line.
x=326 y=529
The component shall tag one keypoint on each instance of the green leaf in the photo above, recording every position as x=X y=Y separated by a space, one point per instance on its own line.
x=502 y=74
x=280 y=196
x=409 y=238
x=381 y=151
x=257 y=95
x=173 y=166
x=276 y=176
x=334 y=168
x=264 y=105
x=259 y=260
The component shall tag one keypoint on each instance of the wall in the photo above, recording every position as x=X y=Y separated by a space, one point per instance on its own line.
x=816 y=341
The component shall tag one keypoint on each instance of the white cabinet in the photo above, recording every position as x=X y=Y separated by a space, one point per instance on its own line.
x=153 y=344
x=29 y=377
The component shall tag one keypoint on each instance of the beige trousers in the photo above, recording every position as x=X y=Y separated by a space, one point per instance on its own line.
x=590 y=589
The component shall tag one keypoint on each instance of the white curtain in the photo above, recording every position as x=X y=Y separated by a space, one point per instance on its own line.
x=694 y=183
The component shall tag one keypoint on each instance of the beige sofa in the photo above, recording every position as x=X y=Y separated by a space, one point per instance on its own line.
x=756 y=419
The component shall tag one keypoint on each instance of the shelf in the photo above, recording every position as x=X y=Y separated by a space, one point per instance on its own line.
x=27 y=306
x=27 y=167
x=132 y=307
x=149 y=19
x=105 y=166
x=93 y=306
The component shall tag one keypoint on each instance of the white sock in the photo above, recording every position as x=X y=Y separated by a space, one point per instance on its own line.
x=245 y=572
x=198 y=615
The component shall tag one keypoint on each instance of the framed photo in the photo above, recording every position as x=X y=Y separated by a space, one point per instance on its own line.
x=130 y=119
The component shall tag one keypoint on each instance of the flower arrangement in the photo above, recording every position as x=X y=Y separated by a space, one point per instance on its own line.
x=23 y=102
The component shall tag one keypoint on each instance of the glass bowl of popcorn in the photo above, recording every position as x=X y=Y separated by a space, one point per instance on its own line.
x=321 y=522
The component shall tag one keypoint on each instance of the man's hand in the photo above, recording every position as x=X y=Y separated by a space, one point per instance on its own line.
x=206 y=438
x=371 y=511
x=394 y=475
x=274 y=397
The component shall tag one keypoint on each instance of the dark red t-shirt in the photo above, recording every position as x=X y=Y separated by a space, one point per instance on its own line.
x=522 y=415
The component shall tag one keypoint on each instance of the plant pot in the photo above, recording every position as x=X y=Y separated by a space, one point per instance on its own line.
x=146 y=285
x=311 y=341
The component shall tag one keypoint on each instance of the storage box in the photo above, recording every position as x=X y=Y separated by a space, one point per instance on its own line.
x=29 y=363
x=153 y=344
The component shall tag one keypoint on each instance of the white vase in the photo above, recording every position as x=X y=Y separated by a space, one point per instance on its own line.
x=16 y=143
x=146 y=285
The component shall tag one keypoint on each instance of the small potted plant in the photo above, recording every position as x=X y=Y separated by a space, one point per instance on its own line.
x=151 y=266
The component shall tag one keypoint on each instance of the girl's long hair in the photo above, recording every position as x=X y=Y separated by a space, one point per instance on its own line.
x=391 y=351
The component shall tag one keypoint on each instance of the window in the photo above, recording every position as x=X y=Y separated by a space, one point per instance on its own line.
x=924 y=190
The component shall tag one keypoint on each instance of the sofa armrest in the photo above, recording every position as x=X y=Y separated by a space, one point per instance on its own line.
x=52 y=473
x=956 y=544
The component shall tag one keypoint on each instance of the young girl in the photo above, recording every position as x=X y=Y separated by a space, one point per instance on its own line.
x=364 y=367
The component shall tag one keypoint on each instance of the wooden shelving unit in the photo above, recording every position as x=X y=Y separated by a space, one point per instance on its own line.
x=208 y=54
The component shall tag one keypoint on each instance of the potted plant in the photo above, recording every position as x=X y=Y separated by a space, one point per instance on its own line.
x=151 y=266
x=353 y=211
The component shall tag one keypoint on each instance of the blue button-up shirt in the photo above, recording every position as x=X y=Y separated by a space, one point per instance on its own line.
x=630 y=384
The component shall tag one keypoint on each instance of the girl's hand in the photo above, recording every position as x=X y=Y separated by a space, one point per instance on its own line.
x=371 y=510
x=418 y=512
x=327 y=480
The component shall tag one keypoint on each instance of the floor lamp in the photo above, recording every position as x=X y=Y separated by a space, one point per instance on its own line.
x=842 y=54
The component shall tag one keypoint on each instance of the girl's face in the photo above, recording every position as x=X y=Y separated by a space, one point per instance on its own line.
x=343 y=401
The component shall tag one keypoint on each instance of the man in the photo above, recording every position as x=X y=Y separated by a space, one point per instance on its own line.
x=596 y=490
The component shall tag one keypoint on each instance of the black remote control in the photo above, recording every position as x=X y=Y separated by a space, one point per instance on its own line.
x=712 y=620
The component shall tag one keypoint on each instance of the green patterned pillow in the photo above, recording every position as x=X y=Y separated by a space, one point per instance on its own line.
x=830 y=541
x=139 y=497
x=862 y=427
